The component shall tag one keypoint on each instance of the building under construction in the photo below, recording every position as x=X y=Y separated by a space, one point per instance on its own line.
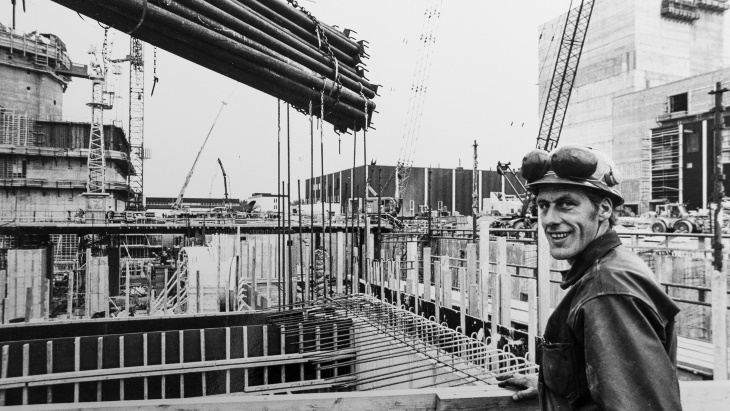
x=43 y=160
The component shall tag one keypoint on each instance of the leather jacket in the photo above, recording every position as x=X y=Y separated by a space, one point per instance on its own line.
x=610 y=343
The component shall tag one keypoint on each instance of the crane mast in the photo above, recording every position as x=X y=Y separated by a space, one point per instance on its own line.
x=566 y=68
x=136 y=124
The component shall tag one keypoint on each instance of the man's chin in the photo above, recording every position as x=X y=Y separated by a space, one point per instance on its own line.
x=561 y=253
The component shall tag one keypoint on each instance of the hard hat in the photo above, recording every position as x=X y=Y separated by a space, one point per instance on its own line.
x=572 y=165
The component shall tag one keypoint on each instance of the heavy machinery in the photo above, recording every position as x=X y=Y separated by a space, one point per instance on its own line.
x=675 y=217
x=225 y=187
x=178 y=202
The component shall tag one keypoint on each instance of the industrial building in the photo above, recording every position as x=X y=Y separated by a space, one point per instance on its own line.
x=43 y=161
x=450 y=189
x=643 y=63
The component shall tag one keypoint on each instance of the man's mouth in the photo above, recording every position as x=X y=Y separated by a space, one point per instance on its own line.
x=558 y=236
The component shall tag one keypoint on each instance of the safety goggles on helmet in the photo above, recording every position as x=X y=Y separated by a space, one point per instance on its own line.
x=572 y=165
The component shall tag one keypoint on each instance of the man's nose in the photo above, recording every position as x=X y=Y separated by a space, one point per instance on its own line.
x=550 y=217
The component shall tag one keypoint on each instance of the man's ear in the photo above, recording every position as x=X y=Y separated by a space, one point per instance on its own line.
x=605 y=209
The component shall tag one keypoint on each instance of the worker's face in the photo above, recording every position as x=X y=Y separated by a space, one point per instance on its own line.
x=571 y=221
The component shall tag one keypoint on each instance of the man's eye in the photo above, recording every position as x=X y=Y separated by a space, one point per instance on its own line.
x=566 y=204
x=542 y=206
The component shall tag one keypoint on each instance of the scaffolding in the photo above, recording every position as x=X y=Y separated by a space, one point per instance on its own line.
x=16 y=129
x=665 y=147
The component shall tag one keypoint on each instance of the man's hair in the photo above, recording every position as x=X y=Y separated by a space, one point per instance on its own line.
x=596 y=197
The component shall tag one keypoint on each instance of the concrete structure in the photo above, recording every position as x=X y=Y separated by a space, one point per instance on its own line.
x=631 y=46
x=193 y=204
x=267 y=202
x=43 y=162
x=451 y=188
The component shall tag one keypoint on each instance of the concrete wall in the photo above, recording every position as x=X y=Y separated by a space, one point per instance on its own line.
x=26 y=271
x=29 y=89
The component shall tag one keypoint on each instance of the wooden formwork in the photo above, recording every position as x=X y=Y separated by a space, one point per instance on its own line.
x=27 y=287
x=172 y=359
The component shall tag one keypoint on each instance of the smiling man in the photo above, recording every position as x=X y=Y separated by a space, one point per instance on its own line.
x=610 y=343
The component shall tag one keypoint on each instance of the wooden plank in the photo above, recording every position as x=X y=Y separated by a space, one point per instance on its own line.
x=121 y=365
x=28 y=303
x=265 y=347
x=483 y=273
x=428 y=399
x=412 y=257
x=245 y=355
x=317 y=338
x=462 y=295
x=532 y=326
x=301 y=349
x=70 y=296
x=381 y=277
x=228 y=357
x=4 y=371
x=181 y=347
x=110 y=374
x=99 y=363
x=49 y=370
x=163 y=354
x=144 y=363
x=307 y=269
x=26 y=370
x=471 y=279
x=127 y=296
x=543 y=279
x=719 y=322
x=269 y=270
x=340 y=264
x=437 y=290
x=77 y=365
x=496 y=296
x=204 y=377
x=505 y=282
x=282 y=348
x=427 y=273
x=447 y=282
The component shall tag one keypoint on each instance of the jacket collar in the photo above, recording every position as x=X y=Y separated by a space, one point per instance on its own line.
x=586 y=258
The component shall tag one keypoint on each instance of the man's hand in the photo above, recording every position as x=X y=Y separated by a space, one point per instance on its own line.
x=527 y=384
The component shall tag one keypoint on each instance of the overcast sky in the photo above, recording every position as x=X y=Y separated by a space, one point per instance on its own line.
x=483 y=87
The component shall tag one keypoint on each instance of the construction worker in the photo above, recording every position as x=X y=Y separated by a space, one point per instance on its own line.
x=610 y=343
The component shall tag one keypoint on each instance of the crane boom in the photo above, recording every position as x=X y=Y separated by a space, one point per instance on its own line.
x=178 y=201
x=225 y=182
x=566 y=68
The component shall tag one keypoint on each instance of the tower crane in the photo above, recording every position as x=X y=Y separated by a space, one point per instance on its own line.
x=101 y=100
x=136 y=124
x=556 y=102
x=417 y=100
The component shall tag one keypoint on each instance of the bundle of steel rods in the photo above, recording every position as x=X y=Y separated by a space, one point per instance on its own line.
x=272 y=46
